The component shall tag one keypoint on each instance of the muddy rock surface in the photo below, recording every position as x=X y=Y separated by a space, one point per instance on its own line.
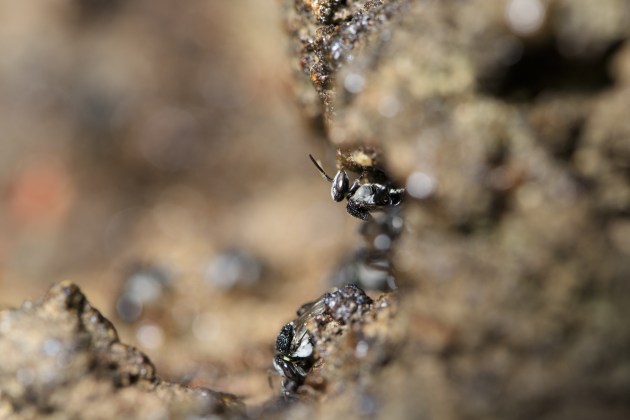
x=503 y=119
x=63 y=359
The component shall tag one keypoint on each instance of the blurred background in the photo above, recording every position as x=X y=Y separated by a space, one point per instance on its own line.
x=158 y=157
x=157 y=160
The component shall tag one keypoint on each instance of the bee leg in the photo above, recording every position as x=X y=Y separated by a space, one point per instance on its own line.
x=358 y=211
x=270 y=374
x=289 y=389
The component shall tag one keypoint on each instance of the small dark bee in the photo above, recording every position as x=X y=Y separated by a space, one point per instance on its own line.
x=362 y=198
x=294 y=349
x=295 y=357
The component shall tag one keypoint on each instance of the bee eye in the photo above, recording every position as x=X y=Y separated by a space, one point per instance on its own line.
x=340 y=185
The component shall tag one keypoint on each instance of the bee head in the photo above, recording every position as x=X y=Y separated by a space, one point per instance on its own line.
x=340 y=186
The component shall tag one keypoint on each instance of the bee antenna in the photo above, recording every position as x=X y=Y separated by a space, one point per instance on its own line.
x=320 y=168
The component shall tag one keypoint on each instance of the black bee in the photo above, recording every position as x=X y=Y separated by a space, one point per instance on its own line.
x=294 y=350
x=362 y=198
x=295 y=357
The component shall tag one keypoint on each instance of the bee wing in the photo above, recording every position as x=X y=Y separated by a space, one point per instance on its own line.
x=315 y=309
x=301 y=345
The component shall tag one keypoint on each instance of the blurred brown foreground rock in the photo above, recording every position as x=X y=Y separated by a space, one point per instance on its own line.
x=62 y=359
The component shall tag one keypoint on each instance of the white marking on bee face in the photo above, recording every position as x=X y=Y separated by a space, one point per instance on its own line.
x=305 y=348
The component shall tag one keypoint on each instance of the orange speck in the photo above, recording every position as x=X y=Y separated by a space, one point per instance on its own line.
x=41 y=194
